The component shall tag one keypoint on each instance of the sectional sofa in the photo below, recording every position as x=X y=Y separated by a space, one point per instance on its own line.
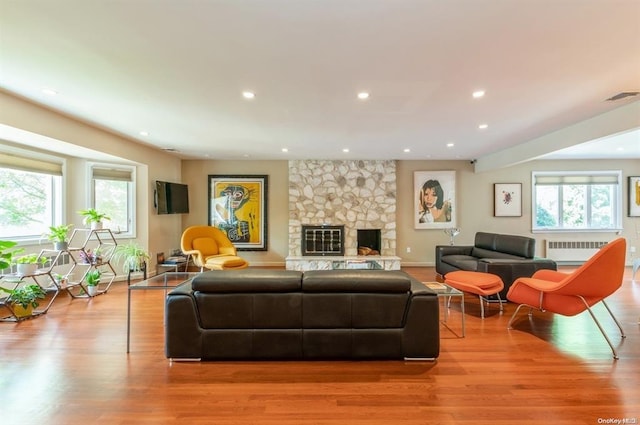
x=286 y=315
x=508 y=256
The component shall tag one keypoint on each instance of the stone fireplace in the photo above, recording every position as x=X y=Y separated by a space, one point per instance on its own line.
x=359 y=195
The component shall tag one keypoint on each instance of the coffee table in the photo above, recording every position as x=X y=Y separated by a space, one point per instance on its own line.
x=445 y=292
x=161 y=281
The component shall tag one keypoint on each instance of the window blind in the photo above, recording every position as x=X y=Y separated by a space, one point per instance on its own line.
x=33 y=165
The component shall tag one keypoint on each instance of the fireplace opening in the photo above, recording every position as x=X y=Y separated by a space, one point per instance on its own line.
x=369 y=241
x=323 y=240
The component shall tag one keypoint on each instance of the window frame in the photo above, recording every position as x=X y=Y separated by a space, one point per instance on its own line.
x=586 y=175
x=51 y=165
x=131 y=193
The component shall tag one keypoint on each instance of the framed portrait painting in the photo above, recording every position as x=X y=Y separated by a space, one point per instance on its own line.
x=238 y=207
x=507 y=198
x=434 y=199
x=634 y=196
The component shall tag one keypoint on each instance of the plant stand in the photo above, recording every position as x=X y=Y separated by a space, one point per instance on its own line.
x=12 y=313
x=81 y=244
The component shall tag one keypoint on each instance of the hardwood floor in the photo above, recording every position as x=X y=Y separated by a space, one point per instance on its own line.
x=70 y=367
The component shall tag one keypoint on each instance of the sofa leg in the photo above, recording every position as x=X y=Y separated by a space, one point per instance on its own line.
x=178 y=359
x=420 y=359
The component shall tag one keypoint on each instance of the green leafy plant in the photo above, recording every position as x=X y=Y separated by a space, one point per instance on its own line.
x=26 y=296
x=59 y=233
x=30 y=259
x=7 y=252
x=131 y=255
x=93 y=277
x=92 y=216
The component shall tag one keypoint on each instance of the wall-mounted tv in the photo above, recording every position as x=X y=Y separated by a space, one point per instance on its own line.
x=171 y=198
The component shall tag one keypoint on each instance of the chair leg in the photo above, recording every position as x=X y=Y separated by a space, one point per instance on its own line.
x=614 y=319
x=513 y=316
x=615 y=354
x=500 y=301
x=481 y=306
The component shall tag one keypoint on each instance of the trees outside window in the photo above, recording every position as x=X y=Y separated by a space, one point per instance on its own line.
x=30 y=202
x=113 y=193
x=577 y=200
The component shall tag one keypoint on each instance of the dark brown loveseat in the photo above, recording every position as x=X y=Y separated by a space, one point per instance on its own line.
x=507 y=256
x=286 y=314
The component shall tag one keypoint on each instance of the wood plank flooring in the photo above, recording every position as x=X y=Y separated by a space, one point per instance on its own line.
x=70 y=367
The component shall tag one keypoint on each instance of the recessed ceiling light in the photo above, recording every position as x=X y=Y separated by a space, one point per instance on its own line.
x=144 y=133
x=345 y=150
x=450 y=145
x=285 y=150
x=248 y=95
x=49 y=92
x=483 y=126
x=406 y=150
x=363 y=95
x=478 y=94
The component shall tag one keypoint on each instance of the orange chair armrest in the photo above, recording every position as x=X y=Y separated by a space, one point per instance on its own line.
x=191 y=252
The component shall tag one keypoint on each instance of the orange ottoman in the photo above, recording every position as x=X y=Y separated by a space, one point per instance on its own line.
x=481 y=284
x=225 y=262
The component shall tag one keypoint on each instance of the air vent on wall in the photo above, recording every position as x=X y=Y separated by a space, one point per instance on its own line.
x=623 y=95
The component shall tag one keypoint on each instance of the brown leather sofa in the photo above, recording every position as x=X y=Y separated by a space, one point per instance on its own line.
x=508 y=256
x=286 y=314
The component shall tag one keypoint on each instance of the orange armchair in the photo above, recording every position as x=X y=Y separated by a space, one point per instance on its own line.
x=210 y=248
x=569 y=294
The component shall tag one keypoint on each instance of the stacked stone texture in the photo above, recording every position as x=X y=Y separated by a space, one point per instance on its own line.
x=357 y=194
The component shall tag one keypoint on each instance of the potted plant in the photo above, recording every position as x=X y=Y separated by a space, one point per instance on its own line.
x=93 y=279
x=60 y=280
x=59 y=235
x=131 y=255
x=28 y=264
x=93 y=218
x=7 y=251
x=24 y=299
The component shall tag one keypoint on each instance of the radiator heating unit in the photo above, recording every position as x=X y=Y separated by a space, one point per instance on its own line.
x=572 y=251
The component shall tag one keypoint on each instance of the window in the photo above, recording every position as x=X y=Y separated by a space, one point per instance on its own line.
x=586 y=200
x=30 y=196
x=113 y=193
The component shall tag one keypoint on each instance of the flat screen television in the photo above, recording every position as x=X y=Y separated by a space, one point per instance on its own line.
x=171 y=198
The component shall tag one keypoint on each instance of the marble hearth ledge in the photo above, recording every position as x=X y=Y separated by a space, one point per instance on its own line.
x=304 y=263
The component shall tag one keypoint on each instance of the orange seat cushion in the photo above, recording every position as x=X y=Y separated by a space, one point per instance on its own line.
x=474 y=282
x=225 y=262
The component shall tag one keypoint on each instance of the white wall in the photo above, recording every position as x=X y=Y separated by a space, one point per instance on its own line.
x=45 y=129
x=474 y=199
x=162 y=233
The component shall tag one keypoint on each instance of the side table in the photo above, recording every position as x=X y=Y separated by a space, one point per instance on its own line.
x=445 y=292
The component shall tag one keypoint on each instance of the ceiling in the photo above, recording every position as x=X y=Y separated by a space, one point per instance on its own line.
x=177 y=70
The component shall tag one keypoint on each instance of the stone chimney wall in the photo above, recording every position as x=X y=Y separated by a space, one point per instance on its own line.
x=357 y=194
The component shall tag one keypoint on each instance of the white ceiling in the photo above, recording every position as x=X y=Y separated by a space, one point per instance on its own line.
x=177 y=68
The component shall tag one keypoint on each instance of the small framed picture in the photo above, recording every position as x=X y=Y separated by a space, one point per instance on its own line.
x=507 y=200
x=634 y=196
